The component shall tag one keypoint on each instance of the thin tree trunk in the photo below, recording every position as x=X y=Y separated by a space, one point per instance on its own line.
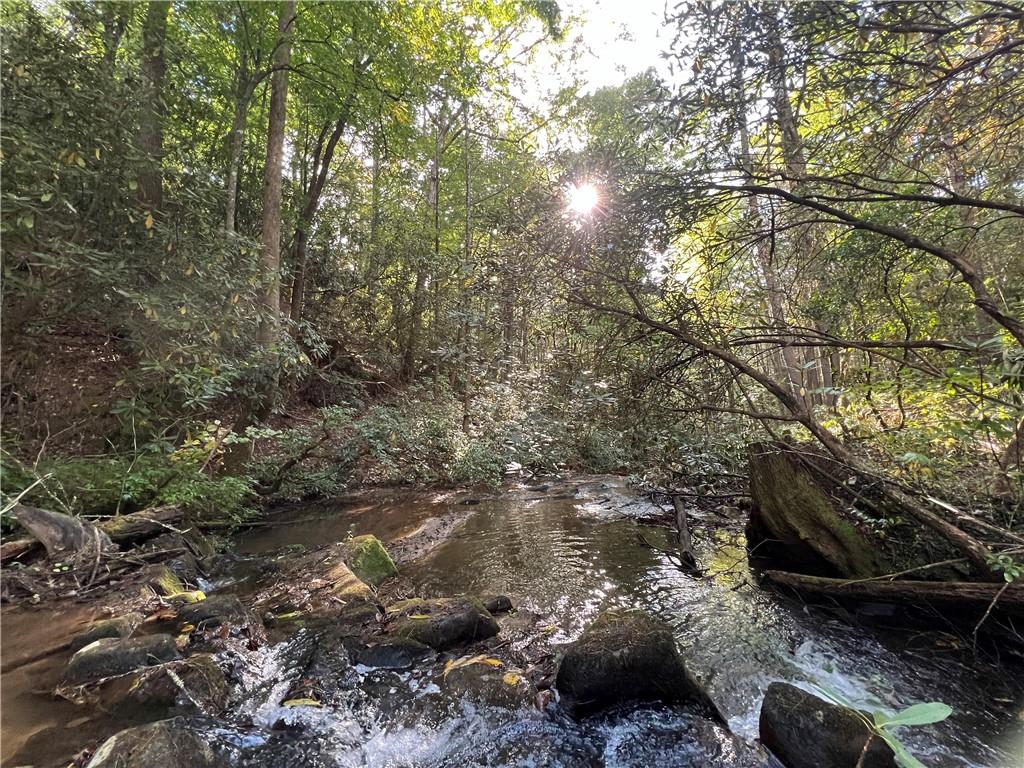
x=151 y=132
x=272 y=183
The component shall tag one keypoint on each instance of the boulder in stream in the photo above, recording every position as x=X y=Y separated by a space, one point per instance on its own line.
x=367 y=559
x=116 y=656
x=441 y=623
x=163 y=744
x=804 y=731
x=623 y=656
x=797 y=526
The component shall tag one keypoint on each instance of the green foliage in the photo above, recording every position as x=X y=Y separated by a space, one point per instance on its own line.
x=884 y=725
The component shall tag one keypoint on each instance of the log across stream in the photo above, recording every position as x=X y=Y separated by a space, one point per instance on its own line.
x=563 y=552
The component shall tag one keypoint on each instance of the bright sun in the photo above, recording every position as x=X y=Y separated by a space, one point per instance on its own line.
x=582 y=198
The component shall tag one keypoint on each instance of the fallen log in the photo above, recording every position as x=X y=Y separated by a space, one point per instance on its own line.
x=123 y=529
x=59 y=533
x=127 y=529
x=1006 y=597
x=11 y=550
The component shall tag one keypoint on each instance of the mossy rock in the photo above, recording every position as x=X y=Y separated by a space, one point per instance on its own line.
x=345 y=584
x=797 y=526
x=111 y=657
x=624 y=656
x=195 y=683
x=441 y=623
x=163 y=744
x=117 y=627
x=368 y=560
x=165 y=581
x=804 y=731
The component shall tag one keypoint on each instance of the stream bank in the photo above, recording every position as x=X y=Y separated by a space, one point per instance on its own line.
x=562 y=551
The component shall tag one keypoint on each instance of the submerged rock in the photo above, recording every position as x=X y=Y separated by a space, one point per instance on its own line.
x=119 y=626
x=115 y=656
x=624 y=656
x=488 y=681
x=804 y=731
x=441 y=623
x=497 y=603
x=368 y=560
x=164 y=744
x=795 y=523
x=391 y=653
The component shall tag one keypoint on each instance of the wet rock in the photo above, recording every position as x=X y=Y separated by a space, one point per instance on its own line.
x=441 y=623
x=623 y=656
x=488 y=681
x=195 y=683
x=214 y=611
x=345 y=584
x=164 y=744
x=368 y=560
x=391 y=653
x=805 y=732
x=115 y=656
x=795 y=525
x=497 y=603
x=119 y=626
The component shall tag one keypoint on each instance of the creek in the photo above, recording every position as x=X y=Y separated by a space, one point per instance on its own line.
x=563 y=552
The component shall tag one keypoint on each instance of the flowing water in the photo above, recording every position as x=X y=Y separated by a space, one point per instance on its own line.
x=566 y=552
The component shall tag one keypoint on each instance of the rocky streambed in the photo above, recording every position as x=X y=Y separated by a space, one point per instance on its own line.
x=542 y=625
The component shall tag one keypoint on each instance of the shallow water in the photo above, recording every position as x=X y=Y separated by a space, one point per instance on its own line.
x=566 y=552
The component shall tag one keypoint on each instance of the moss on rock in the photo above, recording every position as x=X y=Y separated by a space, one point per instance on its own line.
x=441 y=623
x=795 y=523
x=368 y=560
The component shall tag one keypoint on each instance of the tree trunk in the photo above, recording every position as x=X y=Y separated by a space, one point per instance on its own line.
x=272 y=183
x=151 y=133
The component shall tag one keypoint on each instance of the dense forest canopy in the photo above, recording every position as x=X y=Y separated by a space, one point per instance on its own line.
x=261 y=248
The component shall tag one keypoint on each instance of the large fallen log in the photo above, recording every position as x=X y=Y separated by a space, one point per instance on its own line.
x=123 y=529
x=127 y=529
x=1006 y=597
x=59 y=533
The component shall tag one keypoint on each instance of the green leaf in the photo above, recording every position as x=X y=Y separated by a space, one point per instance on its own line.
x=918 y=714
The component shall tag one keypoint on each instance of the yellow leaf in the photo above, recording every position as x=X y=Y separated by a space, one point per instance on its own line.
x=190 y=270
x=80 y=161
x=97 y=153
x=419 y=616
x=183 y=310
x=301 y=703
x=149 y=221
x=511 y=678
x=492 y=662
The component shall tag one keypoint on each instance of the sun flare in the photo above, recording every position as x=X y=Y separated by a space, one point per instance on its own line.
x=583 y=198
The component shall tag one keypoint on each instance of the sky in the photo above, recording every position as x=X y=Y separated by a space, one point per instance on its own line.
x=620 y=34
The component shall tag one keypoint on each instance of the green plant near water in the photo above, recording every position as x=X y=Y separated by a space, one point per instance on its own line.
x=883 y=725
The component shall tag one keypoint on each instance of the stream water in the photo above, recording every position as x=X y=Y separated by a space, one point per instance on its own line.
x=565 y=552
